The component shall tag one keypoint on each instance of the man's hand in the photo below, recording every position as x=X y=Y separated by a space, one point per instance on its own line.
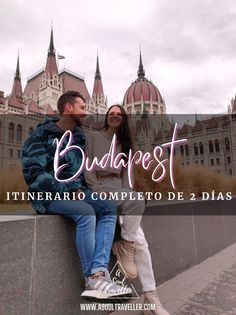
x=78 y=194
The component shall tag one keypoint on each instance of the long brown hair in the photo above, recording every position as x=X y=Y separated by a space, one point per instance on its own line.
x=123 y=134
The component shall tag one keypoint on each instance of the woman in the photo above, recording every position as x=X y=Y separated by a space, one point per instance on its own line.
x=132 y=251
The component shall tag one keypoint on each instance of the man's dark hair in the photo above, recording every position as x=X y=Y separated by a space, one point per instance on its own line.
x=68 y=97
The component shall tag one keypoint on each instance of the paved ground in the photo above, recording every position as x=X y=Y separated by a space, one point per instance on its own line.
x=206 y=289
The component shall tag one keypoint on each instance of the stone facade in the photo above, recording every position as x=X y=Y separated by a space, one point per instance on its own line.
x=14 y=129
x=211 y=141
x=23 y=110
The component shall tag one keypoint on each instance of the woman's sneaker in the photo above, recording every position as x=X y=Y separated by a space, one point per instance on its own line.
x=102 y=287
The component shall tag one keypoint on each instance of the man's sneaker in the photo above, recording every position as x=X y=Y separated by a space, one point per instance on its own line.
x=152 y=298
x=124 y=251
x=102 y=287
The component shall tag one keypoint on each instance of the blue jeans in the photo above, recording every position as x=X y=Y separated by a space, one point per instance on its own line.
x=95 y=226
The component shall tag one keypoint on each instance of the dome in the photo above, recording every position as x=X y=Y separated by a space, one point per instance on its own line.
x=142 y=89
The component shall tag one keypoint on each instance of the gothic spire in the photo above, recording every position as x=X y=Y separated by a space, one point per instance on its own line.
x=51 y=64
x=97 y=87
x=98 y=73
x=17 y=87
x=51 y=49
x=141 y=72
x=17 y=74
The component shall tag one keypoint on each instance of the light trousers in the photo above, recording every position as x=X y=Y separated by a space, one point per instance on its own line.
x=131 y=230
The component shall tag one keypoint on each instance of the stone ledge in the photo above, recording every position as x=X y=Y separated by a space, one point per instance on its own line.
x=40 y=270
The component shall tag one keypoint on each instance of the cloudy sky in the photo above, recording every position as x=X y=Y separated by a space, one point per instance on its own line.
x=188 y=46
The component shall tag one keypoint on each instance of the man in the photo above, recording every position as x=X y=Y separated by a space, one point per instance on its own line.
x=95 y=220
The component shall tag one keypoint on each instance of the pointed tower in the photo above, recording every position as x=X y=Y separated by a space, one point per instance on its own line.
x=98 y=98
x=17 y=87
x=143 y=96
x=50 y=83
x=141 y=72
x=51 y=65
x=15 y=99
x=97 y=87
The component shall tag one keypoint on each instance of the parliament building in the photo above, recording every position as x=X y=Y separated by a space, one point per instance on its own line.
x=211 y=141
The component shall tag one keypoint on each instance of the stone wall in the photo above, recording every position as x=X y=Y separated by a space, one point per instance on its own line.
x=41 y=274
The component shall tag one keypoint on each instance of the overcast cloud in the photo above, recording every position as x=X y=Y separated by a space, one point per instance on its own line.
x=188 y=46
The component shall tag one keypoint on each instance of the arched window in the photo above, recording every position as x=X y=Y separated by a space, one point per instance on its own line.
x=211 y=148
x=31 y=129
x=227 y=144
x=19 y=133
x=11 y=131
x=186 y=150
x=217 y=146
x=201 y=148
x=10 y=153
x=195 y=149
x=182 y=150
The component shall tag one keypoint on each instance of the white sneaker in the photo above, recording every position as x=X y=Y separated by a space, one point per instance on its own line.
x=102 y=287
